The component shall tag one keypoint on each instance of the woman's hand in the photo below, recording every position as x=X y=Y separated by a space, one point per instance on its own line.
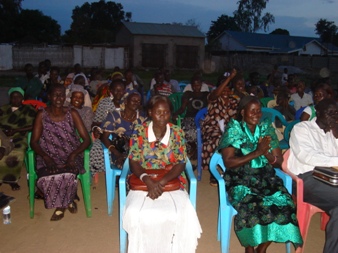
x=154 y=187
x=263 y=145
x=71 y=161
x=49 y=162
x=233 y=73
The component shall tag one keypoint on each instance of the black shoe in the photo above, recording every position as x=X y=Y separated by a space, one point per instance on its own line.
x=5 y=200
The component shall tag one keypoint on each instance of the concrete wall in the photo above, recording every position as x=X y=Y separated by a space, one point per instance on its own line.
x=15 y=57
x=6 y=57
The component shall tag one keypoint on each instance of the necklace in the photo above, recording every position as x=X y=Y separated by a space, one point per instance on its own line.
x=132 y=118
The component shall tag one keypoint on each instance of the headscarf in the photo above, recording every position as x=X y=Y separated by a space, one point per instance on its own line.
x=16 y=89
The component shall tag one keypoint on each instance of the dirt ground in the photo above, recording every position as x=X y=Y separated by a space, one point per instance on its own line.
x=76 y=233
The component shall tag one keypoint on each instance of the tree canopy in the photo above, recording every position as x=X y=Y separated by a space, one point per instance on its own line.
x=9 y=12
x=96 y=22
x=222 y=23
x=249 y=17
x=280 y=31
x=327 y=30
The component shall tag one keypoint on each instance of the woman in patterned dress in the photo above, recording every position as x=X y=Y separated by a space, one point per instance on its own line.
x=222 y=106
x=120 y=124
x=15 y=120
x=59 y=152
x=192 y=102
x=158 y=221
x=250 y=151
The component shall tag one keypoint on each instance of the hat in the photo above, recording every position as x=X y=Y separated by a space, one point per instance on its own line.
x=16 y=89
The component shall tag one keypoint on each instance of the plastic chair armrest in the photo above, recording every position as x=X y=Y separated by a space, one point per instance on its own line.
x=192 y=183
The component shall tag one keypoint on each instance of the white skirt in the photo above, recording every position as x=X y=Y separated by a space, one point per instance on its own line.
x=168 y=224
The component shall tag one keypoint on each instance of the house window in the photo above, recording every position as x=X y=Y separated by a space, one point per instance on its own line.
x=154 y=55
x=187 y=57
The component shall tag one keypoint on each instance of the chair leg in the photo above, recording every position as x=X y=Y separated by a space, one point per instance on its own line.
x=85 y=183
x=110 y=188
x=32 y=180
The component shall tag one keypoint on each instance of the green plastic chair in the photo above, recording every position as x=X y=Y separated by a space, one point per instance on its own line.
x=176 y=100
x=32 y=177
x=265 y=101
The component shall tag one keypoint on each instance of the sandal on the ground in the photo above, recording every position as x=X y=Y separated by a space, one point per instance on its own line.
x=15 y=186
x=58 y=214
x=72 y=207
x=213 y=182
x=37 y=195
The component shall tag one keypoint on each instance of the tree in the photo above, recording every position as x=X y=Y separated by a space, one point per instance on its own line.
x=248 y=15
x=327 y=30
x=192 y=22
x=222 y=23
x=34 y=26
x=280 y=31
x=96 y=22
x=9 y=11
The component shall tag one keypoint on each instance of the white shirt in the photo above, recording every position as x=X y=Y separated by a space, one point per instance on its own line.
x=301 y=102
x=310 y=146
x=204 y=87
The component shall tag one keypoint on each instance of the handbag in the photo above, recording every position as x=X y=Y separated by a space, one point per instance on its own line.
x=156 y=174
x=328 y=175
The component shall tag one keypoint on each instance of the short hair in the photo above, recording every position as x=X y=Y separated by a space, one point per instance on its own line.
x=245 y=101
x=116 y=82
x=327 y=88
x=54 y=87
x=153 y=100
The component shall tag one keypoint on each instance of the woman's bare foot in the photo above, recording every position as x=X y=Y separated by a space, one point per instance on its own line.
x=249 y=249
x=263 y=247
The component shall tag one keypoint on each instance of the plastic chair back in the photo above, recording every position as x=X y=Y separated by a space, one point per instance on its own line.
x=123 y=196
x=32 y=177
x=272 y=114
x=264 y=101
x=226 y=210
x=112 y=172
x=304 y=210
x=176 y=100
x=200 y=116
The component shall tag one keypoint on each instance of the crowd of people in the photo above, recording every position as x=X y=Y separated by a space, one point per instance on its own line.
x=82 y=110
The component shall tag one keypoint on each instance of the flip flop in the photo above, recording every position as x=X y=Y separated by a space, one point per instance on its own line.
x=15 y=186
x=58 y=214
x=72 y=207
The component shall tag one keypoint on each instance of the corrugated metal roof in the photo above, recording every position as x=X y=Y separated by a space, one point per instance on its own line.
x=282 y=43
x=163 y=29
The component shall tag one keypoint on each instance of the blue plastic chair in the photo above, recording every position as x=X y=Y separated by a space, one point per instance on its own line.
x=182 y=86
x=123 y=196
x=226 y=211
x=112 y=172
x=200 y=116
x=272 y=114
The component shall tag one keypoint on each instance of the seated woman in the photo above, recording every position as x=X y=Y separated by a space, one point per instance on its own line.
x=238 y=84
x=77 y=102
x=120 y=124
x=16 y=119
x=158 y=221
x=192 y=102
x=59 y=152
x=222 y=106
x=322 y=91
x=284 y=107
x=266 y=212
x=107 y=105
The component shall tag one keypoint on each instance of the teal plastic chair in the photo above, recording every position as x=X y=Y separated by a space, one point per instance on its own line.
x=112 y=172
x=32 y=177
x=123 y=196
x=272 y=114
x=176 y=100
x=226 y=211
x=200 y=116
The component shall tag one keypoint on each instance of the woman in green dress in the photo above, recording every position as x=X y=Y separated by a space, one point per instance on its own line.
x=16 y=120
x=266 y=211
